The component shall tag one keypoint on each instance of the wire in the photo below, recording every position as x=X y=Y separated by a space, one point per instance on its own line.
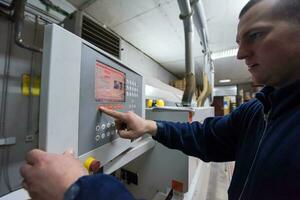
x=6 y=176
x=29 y=113
x=5 y=152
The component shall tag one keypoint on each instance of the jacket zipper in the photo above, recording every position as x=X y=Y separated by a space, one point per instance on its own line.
x=266 y=118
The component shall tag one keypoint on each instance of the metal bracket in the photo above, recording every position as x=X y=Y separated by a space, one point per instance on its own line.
x=7 y=141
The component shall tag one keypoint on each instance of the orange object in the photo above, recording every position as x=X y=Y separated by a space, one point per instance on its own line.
x=177 y=186
x=191 y=117
x=92 y=165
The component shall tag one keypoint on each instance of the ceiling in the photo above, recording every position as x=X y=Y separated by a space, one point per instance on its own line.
x=154 y=27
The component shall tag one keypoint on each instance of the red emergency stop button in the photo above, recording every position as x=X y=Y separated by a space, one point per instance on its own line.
x=92 y=165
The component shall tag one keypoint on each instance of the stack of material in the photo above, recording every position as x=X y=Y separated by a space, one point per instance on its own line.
x=179 y=84
x=200 y=95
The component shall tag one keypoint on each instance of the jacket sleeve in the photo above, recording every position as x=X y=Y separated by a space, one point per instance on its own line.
x=101 y=187
x=214 y=140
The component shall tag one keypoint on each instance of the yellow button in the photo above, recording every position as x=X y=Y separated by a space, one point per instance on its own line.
x=149 y=103
x=87 y=163
x=160 y=103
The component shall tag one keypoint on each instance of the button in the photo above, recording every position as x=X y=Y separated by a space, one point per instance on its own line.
x=108 y=125
x=97 y=138
x=113 y=124
x=98 y=128
x=102 y=135
x=108 y=134
x=92 y=165
x=103 y=127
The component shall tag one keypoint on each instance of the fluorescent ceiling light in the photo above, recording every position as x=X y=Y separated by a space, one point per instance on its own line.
x=224 y=54
x=225 y=81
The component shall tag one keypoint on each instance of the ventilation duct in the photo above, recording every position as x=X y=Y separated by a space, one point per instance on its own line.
x=93 y=32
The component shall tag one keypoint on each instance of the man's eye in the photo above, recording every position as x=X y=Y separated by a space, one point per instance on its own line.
x=254 y=36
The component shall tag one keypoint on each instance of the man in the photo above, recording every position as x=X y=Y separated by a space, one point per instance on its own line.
x=262 y=135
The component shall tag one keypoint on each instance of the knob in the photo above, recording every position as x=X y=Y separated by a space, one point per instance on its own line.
x=92 y=165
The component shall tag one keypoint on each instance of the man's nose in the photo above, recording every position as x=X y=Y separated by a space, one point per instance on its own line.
x=243 y=52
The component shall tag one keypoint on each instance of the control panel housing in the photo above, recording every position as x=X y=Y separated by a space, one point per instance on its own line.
x=104 y=82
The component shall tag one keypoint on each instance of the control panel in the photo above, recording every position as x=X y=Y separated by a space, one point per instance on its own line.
x=104 y=82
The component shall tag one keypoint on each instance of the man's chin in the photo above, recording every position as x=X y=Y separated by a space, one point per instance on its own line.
x=257 y=82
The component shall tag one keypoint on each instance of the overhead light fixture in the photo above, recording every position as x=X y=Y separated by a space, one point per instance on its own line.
x=225 y=81
x=224 y=53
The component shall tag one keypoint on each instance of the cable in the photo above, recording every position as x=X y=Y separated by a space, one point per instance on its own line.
x=5 y=152
x=6 y=176
x=7 y=149
x=29 y=113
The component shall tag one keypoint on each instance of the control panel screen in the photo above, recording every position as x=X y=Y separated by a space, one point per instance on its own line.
x=109 y=84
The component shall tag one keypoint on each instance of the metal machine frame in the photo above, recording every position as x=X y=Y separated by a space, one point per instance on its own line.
x=59 y=110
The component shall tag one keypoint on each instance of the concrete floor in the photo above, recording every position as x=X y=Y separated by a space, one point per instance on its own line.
x=218 y=182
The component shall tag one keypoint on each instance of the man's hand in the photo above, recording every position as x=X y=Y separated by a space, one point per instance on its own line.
x=130 y=125
x=48 y=176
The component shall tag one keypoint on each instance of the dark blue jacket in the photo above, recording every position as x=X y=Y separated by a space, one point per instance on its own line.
x=97 y=187
x=262 y=136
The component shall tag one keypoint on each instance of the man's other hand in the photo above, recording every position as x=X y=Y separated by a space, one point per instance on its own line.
x=47 y=176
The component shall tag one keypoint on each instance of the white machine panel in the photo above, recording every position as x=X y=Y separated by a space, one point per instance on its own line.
x=77 y=78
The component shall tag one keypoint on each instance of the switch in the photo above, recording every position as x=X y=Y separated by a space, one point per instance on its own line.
x=92 y=165
x=98 y=128
x=97 y=138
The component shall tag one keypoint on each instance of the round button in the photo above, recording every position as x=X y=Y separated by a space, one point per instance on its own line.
x=103 y=126
x=113 y=124
x=108 y=134
x=98 y=128
x=108 y=125
x=102 y=135
x=97 y=138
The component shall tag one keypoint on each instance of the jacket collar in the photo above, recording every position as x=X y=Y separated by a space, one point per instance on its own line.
x=277 y=101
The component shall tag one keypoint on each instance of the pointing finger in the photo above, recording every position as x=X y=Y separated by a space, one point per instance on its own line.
x=113 y=113
x=126 y=134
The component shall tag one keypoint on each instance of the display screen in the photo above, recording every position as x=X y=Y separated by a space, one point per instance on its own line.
x=109 y=84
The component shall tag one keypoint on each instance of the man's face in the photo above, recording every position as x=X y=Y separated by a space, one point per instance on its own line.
x=270 y=46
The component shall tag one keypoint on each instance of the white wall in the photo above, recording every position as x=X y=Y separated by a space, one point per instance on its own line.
x=143 y=64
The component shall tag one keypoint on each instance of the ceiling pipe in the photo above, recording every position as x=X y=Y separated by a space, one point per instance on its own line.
x=18 y=16
x=200 y=23
x=186 y=17
x=201 y=26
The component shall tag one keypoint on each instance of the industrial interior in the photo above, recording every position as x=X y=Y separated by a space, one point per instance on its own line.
x=169 y=60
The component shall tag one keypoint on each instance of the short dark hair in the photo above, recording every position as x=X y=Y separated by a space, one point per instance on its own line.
x=283 y=9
